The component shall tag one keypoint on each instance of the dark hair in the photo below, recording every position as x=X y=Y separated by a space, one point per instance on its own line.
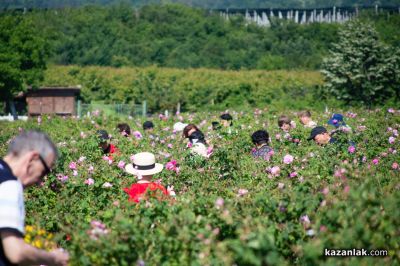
x=148 y=125
x=260 y=137
x=102 y=135
x=188 y=128
x=283 y=119
x=197 y=135
x=215 y=125
x=226 y=116
x=124 y=127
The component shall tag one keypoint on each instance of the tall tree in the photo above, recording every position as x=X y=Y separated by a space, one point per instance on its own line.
x=22 y=57
x=360 y=67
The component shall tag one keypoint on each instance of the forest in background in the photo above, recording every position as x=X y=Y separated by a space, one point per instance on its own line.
x=182 y=37
x=203 y=3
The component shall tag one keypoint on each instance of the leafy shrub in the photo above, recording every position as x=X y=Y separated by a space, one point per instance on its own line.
x=229 y=209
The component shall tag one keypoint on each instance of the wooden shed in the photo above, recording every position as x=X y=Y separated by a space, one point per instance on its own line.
x=52 y=100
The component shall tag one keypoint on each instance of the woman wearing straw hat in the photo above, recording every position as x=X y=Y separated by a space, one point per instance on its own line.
x=144 y=166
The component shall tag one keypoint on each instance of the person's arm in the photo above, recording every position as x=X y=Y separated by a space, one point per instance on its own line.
x=21 y=253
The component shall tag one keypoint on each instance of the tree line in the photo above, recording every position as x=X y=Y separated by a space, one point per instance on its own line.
x=183 y=37
x=9 y=4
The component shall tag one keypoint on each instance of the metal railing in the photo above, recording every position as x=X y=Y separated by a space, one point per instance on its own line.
x=111 y=109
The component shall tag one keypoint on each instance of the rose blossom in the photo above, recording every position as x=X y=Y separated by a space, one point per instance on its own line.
x=107 y=185
x=219 y=203
x=121 y=164
x=293 y=174
x=392 y=140
x=288 y=159
x=275 y=171
x=351 y=149
x=89 y=181
x=242 y=192
x=395 y=166
x=90 y=169
x=72 y=165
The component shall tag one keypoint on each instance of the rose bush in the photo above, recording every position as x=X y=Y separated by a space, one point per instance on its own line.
x=283 y=209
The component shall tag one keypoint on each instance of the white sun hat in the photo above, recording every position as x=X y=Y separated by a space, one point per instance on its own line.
x=179 y=126
x=144 y=163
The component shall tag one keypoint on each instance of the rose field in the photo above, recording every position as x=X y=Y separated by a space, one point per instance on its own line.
x=229 y=208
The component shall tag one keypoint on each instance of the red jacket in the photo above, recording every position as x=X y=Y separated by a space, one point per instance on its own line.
x=136 y=191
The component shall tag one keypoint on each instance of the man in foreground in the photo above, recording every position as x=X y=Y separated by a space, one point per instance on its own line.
x=29 y=158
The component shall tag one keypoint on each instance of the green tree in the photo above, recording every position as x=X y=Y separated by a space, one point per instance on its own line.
x=360 y=67
x=22 y=57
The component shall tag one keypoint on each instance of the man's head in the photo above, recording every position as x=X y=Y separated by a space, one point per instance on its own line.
x=124 y=129
x=260 y=137
x=284 y=122
x=305 y=117
x=31 y=155
x=148 y=126
x=320 y=135
x=103 y=139
x=226 y=120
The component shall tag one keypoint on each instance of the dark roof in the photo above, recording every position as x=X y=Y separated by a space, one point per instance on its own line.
x=57 y=90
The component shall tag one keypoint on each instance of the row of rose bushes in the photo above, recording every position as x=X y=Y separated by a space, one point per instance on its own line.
x=228 y=209
x=193 y=89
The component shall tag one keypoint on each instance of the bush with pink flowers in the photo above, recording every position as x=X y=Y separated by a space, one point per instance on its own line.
x=230 y=208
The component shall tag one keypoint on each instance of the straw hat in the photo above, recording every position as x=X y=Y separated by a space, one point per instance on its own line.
x=144 y=163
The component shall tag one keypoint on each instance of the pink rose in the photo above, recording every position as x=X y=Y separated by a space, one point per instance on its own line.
x=137 y=134
x=293 y=174
x=351 y=149
x=169 y=145
x=392 y=140
x=395 y=166
x=90 y=169
x=288 y=159
x=89 y=181
x=72 y=165
x=305 y=220
x=275 y=171
x=121 y=164
x=375 y=161
x=219 y=203
x=242 y=192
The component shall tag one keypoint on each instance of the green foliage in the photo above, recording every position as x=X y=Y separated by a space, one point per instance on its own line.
x=22 y=55
x=194 y=89
x=203 y=3
x=361 y=68
x=350 y=201
x=176 y=36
